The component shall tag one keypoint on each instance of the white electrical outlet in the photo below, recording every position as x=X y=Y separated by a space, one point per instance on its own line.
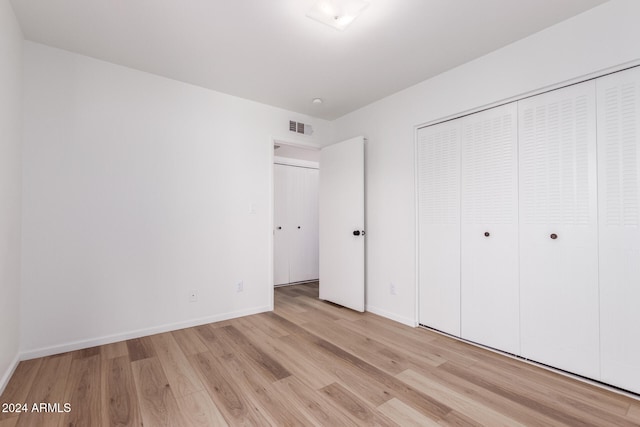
x=392 y=289
x=193 y=295
x=240 y=286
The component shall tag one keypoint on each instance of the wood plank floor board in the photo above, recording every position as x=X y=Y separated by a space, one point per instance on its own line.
x=275 y=407
x=48 y=387
x=287 y=303
x=318 y=408
x=354 y=407
x=181 y=376
x=549 y=408
x=84 y=390
x=488 y=398
x=562 y=390
x=401 y=390
x=9 y=422
x=116 y=349
x=576 y=401
x=309 y=362
x=261 y=359
x=199 y=410
x=634 y=412
x=86 y=352
x=189 y=341
x=158 y=405
x=120 y=405
x=403 y=351
x=365 y=348
x=405 y=415
x=368 y=388
x=457 y=401
x=236 y=407
x=140 y=348
x=212 y=339
x=308 y=370
x=253 y=323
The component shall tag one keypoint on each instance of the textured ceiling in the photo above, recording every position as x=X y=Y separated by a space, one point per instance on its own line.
x=268 y=51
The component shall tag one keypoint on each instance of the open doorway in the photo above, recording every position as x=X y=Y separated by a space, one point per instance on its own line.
x=295 y=232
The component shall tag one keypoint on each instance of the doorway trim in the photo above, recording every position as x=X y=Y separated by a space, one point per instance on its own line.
x=272 y=161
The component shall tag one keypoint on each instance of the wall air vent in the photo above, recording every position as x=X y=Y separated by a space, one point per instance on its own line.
x=302 y=128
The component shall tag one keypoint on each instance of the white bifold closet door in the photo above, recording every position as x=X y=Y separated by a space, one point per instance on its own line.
x=619 y=227
x=296 y=224
x=438 y=154
x=558 y=229
x=489 y=228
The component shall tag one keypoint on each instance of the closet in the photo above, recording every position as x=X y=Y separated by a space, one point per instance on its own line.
x=295 y=224
x=528 y=218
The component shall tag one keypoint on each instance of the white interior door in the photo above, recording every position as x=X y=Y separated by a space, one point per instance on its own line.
x=342 y=223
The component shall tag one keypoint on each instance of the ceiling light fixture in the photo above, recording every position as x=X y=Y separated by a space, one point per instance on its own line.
x=317 y=101
x=337 y=13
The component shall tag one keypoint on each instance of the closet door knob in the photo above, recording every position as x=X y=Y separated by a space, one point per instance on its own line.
x=279 y=228
x=356 y=233
x=487 y=234
x=553 y=236
x=298 y=227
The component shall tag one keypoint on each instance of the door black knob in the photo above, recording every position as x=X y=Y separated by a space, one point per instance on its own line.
x=356 y=233
x=554 y=236
x=279 y=228
x=298 y=227
x=487 y=234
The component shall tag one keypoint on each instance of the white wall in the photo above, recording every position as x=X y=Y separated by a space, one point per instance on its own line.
x=137 y=189
x=10 y=174
x=595 y=40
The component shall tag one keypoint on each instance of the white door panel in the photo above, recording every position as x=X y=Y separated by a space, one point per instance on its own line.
x=438 y=154
x=558 y=229
x=342 y=213
x=280 y=220
x=489 y=229
x=619 y=226
x=304 y=226
x=295 y=224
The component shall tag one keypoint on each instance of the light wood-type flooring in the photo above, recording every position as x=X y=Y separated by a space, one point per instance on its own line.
x=307 y=363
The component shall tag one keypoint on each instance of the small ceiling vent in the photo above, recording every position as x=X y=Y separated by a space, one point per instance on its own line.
x=302 y=128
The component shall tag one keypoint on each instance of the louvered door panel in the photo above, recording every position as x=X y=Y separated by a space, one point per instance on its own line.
x=558 y=229
x=439 y=226
x=489 y=229
x=619 y=226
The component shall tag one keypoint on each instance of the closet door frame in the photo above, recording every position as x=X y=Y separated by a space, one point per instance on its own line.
x=288 y=232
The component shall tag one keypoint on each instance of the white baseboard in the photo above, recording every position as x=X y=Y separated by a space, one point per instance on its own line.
x=4 y=381
x=392 y=316
x=79 y=345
